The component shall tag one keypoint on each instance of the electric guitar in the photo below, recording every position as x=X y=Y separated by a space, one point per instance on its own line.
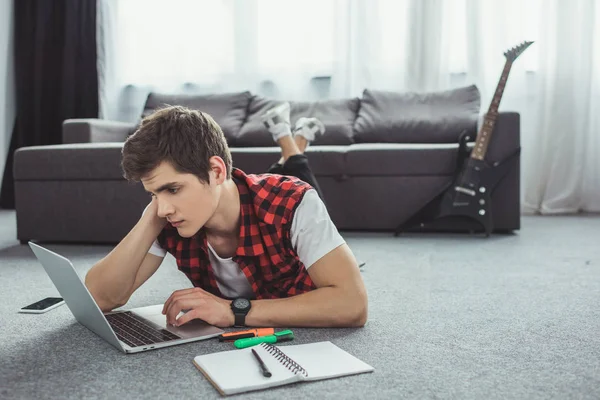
x=469 y=194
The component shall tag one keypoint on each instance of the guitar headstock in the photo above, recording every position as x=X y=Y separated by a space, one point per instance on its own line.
x=514 y=52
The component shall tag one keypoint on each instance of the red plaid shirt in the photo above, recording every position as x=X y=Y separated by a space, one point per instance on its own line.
x=265 y=253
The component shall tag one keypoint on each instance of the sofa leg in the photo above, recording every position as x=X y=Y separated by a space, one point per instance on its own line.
x=23 y=241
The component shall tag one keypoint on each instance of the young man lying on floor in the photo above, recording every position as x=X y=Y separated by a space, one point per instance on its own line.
x=260 y=250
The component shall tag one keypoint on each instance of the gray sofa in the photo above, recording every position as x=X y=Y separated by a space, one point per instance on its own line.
x=384 y=156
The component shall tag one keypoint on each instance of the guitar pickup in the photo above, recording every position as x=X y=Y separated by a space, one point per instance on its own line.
x=461 y=189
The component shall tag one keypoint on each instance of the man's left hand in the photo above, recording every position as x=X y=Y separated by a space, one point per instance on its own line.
x=201 y=304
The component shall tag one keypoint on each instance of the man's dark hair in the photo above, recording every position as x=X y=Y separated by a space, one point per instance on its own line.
x=185 y=138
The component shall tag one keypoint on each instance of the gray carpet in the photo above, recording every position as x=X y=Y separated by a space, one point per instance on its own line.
x=509 y=317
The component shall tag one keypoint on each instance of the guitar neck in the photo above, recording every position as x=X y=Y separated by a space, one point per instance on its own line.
x=485 y=132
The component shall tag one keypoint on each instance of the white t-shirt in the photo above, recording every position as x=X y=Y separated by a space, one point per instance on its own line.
x=313 y=236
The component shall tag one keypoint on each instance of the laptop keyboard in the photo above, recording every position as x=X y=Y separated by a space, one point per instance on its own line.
x=135 y=331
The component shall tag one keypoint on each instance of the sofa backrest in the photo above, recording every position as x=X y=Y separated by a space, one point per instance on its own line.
x=337 y=115
x=227 y=109
x=435 y=117
x=376 y=117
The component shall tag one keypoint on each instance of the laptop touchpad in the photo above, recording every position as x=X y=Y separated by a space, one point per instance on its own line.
x=154 y=314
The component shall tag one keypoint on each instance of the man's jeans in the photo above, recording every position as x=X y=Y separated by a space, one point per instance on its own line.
x=297 y=166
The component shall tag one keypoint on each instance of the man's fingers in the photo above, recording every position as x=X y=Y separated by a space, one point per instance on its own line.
x=174 y=295
x=186 y=302
x=174 y=310
x=187 y=317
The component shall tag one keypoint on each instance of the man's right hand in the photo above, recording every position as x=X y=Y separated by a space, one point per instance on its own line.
x=151 y=213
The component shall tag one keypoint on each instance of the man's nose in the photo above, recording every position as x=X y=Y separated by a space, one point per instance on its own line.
x=164 y=209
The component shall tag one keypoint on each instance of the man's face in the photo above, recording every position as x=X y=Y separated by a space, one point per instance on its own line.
x=182 y=199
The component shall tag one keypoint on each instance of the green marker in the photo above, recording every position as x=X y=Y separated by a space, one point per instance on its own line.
x=274 y=338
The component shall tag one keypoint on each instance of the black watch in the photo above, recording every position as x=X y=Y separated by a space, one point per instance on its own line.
x=240 y=308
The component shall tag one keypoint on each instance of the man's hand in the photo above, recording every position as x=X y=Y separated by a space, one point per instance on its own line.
x=151 y=213
x=201 y=304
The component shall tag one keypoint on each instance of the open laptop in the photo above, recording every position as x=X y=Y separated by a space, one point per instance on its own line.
x=130 y=331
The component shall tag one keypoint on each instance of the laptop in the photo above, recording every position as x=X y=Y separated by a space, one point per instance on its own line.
x=131 y=331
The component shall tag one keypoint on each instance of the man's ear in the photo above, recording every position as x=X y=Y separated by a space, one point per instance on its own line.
x=218 y=170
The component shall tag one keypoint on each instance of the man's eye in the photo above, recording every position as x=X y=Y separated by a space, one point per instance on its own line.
x=173 y=190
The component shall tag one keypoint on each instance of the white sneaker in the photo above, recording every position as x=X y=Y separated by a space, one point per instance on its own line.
x=277 y=121
x=309 y=128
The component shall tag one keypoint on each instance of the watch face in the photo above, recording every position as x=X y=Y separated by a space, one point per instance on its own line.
x=241 y=304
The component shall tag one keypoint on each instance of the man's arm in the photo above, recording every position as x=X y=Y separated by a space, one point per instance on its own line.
x=112 y=280
x=340 y=300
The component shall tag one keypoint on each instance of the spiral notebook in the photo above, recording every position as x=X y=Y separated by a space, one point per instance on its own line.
x=237 y=371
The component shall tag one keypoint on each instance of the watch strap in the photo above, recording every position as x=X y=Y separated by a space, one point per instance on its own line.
x=240 y=319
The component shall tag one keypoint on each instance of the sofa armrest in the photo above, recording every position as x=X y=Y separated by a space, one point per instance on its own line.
x=93 y=130
x=506 y=138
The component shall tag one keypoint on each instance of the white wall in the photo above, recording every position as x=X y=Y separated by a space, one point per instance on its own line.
x=7 y=78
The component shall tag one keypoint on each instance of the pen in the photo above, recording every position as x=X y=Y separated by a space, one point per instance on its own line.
x=230 y=336
x=263 y=367
x=274 y=338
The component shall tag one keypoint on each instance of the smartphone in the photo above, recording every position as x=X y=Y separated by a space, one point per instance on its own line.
x=43 y=305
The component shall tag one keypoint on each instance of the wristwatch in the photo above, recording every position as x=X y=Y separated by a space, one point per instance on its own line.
x=240 y=308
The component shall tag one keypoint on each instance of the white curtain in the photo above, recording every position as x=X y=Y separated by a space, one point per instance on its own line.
x=564 y=168
x=312 y=49
x=269 y=47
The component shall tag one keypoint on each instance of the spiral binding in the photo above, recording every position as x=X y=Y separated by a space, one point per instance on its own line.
x=285 y=360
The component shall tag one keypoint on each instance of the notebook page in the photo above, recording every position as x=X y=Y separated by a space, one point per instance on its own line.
x=324 y=360
x=237 y=371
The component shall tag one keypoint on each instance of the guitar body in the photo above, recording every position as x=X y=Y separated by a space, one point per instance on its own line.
x=470 y=195
x=467 y=201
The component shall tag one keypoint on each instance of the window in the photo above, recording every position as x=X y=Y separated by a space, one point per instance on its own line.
x=204 y=42
x=161 y=41
x=295 y=36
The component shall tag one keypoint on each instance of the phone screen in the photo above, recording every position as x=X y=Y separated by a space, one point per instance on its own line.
x=43 y=304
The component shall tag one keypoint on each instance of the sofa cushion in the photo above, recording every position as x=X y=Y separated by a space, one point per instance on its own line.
x=323 y=160
x=436 y=117
x=401 y=159
x=102 y=161
x=81 y=161
x=228 y=109
x=337 y=115
x=253 y=133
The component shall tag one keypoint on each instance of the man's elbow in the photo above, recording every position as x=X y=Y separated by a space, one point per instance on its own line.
x=107 y=306
x=360 y=315
x=357 y=312
x=103 y=303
